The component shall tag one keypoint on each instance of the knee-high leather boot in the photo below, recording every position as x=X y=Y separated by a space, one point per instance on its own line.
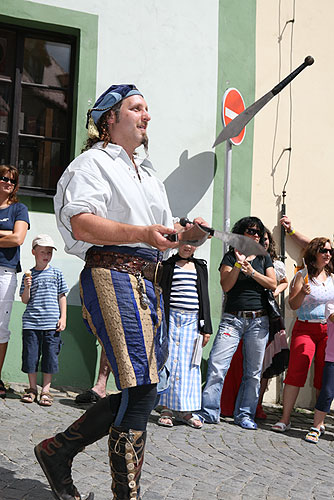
x=126 y=454
x=55 y=455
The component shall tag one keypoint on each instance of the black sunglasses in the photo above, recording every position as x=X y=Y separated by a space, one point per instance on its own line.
x=253 y=232
x=7 y=179
x=326 y=250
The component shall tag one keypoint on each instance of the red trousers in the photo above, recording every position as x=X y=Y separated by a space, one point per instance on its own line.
x=232 y=383
x=308 y=340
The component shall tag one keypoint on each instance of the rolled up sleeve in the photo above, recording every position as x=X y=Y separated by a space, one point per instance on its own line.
x=82 y=193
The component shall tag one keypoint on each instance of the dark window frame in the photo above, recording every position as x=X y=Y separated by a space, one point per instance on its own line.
x=14 y=134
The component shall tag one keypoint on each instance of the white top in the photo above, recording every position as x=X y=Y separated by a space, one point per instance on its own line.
x=313 y=306
x=104 y=182
x=183 y=293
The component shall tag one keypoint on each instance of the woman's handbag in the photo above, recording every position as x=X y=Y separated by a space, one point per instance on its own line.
x=273 y=309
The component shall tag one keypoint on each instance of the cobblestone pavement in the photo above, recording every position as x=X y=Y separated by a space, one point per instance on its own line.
x=218 y=462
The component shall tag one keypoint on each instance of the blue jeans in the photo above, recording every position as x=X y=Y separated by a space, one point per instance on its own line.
x=37 y=343
x=254 y=332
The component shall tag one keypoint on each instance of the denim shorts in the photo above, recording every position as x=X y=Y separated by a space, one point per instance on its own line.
x=37 y=343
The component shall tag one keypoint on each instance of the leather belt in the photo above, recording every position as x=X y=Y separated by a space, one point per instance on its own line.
x=125 y=263
x=248 y=314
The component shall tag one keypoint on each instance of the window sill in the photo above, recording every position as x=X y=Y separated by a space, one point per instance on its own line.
x=36 y=192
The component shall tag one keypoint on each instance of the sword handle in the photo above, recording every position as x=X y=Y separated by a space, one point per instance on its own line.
x=280 y=86
x=184 y=221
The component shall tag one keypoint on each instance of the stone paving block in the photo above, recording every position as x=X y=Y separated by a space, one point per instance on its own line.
x=220 y=462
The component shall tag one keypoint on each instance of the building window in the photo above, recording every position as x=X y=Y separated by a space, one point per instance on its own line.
x=36 y=96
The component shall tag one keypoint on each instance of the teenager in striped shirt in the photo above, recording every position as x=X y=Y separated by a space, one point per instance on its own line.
x=187 y=310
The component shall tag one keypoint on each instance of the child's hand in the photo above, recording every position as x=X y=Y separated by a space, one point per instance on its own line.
x=206 y=338
x=331 y=318
x=28 y=281
x=61 y=325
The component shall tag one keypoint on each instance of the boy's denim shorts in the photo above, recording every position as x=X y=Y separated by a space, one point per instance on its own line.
x=37 y=343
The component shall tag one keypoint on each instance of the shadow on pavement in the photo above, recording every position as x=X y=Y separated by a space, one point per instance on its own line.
x=12 y=487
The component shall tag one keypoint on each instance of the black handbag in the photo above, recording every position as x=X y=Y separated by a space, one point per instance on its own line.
x=273 y=309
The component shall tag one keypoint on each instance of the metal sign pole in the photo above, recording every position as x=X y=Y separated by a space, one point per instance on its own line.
x=282 y=256
x=227 y=190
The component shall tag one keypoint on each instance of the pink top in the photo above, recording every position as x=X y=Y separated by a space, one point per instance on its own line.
x=329 y=309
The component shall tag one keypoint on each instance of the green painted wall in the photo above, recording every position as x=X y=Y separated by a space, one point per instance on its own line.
x=77 y=359
x=236 y=68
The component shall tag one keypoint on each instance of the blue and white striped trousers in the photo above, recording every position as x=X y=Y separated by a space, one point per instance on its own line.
x=184 y=392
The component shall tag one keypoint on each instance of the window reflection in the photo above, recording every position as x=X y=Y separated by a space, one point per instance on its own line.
x=45 y=112
x=7 y=53
x=46 y=62
x=5 y=94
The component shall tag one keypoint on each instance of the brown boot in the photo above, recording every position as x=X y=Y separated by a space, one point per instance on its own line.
x=126 y=454
x=55 y=455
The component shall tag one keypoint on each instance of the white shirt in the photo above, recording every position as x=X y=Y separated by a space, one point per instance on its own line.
x=104 y=182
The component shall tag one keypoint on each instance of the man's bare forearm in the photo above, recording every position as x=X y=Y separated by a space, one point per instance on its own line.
x=99 y=231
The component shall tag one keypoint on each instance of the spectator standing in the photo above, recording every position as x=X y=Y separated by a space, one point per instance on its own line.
x=308 y=295
x=187 y=308
x=276 y=354
x=243 y=280
x=43 y=290
x=14 y=223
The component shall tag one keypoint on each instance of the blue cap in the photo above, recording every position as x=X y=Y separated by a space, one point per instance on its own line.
x=109 y=98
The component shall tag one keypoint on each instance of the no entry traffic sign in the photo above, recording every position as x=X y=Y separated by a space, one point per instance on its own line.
x=232 y=105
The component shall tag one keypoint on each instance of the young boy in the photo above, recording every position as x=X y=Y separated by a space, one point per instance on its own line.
x=43 y=289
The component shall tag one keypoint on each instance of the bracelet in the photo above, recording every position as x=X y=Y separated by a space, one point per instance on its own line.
x=238 y=265
x=252 y=274
x=290 y=233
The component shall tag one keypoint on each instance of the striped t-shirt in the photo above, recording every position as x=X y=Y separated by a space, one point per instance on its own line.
x=183 y=294
x=42 y=311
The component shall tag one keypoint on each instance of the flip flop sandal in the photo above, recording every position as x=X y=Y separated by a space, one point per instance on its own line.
x=313 y=436
x=192 y=420
x=29 y=396
x=45 y=399
x=166 y=418
x=281 y=427
x=3 y=390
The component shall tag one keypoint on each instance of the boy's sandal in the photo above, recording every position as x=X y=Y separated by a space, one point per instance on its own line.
x=313 y=436
x=166 y=418
x=191 y=420
x=322 y=429
x=29 y=396
x=3 y=390
x=280 y=427
x=45 y=399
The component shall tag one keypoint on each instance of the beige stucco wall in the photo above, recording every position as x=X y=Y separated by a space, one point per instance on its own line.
x=309 y=200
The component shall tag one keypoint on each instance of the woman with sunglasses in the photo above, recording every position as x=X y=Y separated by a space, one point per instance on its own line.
x=14 y=223
x=308 y=295
x=275 y=359
x=243 y=280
